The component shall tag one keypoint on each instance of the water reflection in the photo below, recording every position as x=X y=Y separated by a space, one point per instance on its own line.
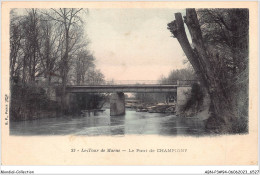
x=117 y=124
x=100 y=123
x=183 y=126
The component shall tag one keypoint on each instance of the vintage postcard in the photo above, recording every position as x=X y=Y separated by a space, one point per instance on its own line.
x=129 y=83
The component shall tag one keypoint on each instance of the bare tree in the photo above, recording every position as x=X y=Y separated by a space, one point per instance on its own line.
x=68 y=19
x=15 y=43
x=94 y=77
x=32 y=35
x=84 y=61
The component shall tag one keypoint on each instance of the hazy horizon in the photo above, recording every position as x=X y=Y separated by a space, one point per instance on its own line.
x=133 y=44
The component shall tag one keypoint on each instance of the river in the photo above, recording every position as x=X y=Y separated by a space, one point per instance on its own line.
x=100 y=123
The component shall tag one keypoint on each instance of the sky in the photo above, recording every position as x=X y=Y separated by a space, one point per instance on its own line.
x=133 y=44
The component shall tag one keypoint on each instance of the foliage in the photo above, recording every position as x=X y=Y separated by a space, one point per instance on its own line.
x=225 y=33
x=90 y=101
x=179 y=74
x=174 y=75
x=27 y=101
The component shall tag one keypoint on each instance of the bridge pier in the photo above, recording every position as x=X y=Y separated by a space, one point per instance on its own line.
x=117 y=104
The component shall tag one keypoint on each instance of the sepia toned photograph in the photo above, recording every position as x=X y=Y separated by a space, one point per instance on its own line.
x=129 y=83
x=129 y=71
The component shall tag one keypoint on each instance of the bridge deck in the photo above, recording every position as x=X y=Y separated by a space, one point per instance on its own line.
x=122 y=88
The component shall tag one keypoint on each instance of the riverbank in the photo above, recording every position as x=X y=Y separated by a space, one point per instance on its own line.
x=201 y=112
x=152 y=107
x=31 y=102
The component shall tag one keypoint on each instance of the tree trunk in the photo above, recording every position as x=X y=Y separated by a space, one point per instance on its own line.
x=223 y=113
x=24 y=69
x=65 y=72
x=34 y=65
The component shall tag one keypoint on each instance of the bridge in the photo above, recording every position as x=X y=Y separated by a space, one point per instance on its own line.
x=129 y=86
x=118 y=88
x=122 y=88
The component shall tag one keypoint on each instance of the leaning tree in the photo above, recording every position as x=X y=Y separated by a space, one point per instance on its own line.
x=218 y=53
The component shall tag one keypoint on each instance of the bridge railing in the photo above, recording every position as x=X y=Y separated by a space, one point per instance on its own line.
x=140 y=82
x=134 y=82
x=186 y=82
